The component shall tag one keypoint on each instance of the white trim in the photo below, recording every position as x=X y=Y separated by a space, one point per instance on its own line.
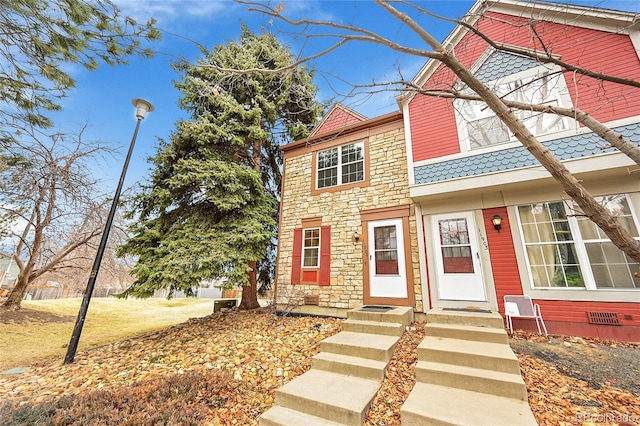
x=424 y=279
x=635 y=40
x=408 y=144
x=608 y=20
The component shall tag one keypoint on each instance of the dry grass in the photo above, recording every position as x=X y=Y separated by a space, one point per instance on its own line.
x=108 y=320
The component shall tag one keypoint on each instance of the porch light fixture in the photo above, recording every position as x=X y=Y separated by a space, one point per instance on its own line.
x=497 y=222
x=356 y=237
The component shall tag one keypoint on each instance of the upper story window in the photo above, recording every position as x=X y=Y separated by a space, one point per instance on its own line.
x=340 y=165
x=479 y=127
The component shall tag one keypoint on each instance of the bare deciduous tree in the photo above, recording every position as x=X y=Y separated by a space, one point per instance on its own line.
x=50 y=206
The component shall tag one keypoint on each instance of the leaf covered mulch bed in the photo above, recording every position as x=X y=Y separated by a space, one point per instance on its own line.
x=224 y=370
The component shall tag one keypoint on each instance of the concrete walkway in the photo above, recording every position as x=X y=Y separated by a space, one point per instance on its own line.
x=346 y=375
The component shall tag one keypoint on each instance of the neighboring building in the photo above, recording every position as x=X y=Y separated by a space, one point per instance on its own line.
x=347 y=223
x=8 y=271
x=465 y=168
x=441 y=178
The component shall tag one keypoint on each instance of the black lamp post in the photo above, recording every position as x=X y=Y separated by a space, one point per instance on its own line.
x=142 y=108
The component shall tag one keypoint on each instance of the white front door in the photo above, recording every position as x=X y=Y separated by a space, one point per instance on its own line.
x=387 y=272
x=457 y=257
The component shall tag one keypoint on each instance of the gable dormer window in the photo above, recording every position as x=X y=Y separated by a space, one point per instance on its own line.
x=479 y=127
x=340 y=165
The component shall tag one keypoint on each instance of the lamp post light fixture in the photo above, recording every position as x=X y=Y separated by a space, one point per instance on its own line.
x=142 y=108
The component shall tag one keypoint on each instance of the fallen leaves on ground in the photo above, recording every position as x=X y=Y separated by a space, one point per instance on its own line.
x=224 y=370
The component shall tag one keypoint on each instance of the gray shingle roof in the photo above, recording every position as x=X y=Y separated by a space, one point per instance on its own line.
x=576 y=146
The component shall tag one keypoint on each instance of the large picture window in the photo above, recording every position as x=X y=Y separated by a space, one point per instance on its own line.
x=478 y=125
x=565 y=249
x=340 y=165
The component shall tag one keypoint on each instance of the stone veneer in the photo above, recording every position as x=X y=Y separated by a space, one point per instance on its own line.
x=388 y=187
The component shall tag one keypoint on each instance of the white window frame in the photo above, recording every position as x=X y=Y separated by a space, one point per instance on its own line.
x=559 y=93
x=580 y=245
x=340 y=164
x=305 y=247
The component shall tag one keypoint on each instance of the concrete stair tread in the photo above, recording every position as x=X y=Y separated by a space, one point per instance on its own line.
x=364 y=340
x=282 y=416
x=399 y=314
x=373 y=327
x=349 y=365
x=439 y=405
x=496 y=350
x=468 y=332
x=478 y=319
x=470 y=371
x=322 y=393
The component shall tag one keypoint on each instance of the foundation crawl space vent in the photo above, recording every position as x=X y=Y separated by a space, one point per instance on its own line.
x=606 y=318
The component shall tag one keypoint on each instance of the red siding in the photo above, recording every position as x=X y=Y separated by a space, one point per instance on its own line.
x=562 y=317
x=504 y=265
x=337 y=119
x=434 y=133
x=567 y=317
x=433 y=128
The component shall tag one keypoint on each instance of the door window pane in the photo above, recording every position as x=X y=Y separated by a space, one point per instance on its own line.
x=385 y=250
x=455 y=246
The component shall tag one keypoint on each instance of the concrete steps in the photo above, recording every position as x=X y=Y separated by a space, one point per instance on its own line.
x=320 y=393
x=349 y=365
x=363 y=345
x=451 y=406
x=373 y=327
x=345 y=376
x=466 y=374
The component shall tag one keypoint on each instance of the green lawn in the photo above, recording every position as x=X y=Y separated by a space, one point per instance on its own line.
x=108 y=320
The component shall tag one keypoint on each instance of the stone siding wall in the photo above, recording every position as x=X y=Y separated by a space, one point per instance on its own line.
x=340 y=209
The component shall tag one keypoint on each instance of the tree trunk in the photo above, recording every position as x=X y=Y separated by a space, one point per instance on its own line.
x=250 y=292
x=17 y=294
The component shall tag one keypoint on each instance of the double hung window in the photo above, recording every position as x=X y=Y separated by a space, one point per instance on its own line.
x=311 y=248
x=565 y=249
x=340 y=165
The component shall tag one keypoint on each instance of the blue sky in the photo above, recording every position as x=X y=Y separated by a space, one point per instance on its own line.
x=103 y=98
